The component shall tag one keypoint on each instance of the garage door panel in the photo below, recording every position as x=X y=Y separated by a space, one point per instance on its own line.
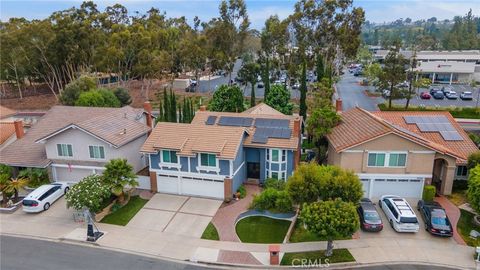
x=167 y=184
x=203 y=187
x=408 y=188
x=71 y=175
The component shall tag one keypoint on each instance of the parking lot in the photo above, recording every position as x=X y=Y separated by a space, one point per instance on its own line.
x=417 y=101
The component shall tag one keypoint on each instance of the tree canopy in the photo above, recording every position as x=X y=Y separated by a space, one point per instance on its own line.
x=279 y=98
x=227 y=99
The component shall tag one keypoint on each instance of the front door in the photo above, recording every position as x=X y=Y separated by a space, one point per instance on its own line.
x=253 y=170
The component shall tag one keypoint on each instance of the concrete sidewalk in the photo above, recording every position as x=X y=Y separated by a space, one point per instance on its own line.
x=401 y=248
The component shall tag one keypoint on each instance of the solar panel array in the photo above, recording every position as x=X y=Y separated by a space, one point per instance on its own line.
x=265 y=127
x=235 y=121
x=211 y=120
x=262 y=134
x=439 y=124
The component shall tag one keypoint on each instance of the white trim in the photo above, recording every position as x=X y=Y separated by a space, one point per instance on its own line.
x=74 y=127
x=280 y=162
x=77 y=166
x=215 y=168
x=421 y=152
x=231 y=168
x=189 y=170
x=238 y=169
x=392 y=175
x=54 y=174
x=186 y=174
x=354 y=151
x=169 y=165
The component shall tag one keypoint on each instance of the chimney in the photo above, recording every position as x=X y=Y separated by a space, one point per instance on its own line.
x=296 y=127
x=147 y=106
x=19 y=132
x=203 y=108
x=338 y=105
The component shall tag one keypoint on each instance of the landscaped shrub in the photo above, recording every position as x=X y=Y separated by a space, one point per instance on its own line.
x=429 y=193
x=275 y=184
x=115 y=207
x=242 y=191
x=473 y=192
x=473 y=160
x=272 y=200
x=7 y=170
x=89 y=193
x=36 y=176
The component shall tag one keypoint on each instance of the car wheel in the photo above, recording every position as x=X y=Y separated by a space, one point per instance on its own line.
x=391 y=224
x=66 y=190
x=46 y=206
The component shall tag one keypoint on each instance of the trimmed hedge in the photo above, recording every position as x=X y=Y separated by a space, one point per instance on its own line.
x=465 y=112
x=273 y=200
x=429 y=193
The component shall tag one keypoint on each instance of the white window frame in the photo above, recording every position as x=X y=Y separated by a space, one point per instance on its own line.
x=386 y=163
x=99 y=158
x=461 y=176
x=215 y=168
x=282 y=174
x=67 y=144
x=169 y=164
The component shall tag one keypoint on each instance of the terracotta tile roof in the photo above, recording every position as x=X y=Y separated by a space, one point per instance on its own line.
x=6 y=112
x=358 y=126
x=263 y=108
x=27 y=153
x=189 y=139
x=291 y=143
x=7 y=129
x=461 y=149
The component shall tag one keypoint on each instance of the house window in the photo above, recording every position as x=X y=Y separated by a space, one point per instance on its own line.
x=462 y=171
x=208 y=160
x=97 y=152
x=376 y=160
x=64 y=150
x=397 y=160
x=275 y=155
x=275 y=175
x=169 y=156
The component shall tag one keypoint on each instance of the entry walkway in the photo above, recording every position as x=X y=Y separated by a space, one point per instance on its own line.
x=453 y=214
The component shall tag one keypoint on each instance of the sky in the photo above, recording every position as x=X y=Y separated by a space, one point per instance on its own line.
x=258 y=10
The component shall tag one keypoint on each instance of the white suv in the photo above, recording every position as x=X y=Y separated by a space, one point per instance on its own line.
x=43 y=197
x=400 y=215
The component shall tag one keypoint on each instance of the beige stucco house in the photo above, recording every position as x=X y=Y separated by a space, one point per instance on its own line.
x=399 y=152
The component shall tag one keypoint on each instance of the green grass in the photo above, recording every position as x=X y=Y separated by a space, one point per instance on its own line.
x=123 y=215
x=210 y=232
x=473 y=113
x=300 y=234
x=317 y=257
x=465 y=225
x=259 y=229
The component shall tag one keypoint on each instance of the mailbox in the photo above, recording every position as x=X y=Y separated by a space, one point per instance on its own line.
x=274 y=251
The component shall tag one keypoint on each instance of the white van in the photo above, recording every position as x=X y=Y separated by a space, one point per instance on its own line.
x=400 y=215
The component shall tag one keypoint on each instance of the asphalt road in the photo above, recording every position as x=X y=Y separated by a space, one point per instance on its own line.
x=353 y=94
x=26 y=254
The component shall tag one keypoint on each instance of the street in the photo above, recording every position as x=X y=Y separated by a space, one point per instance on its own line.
x=353 y=94
x=25 y=254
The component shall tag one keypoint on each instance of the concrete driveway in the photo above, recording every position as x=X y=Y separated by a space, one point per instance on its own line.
x=182 y=215
x=389 y=232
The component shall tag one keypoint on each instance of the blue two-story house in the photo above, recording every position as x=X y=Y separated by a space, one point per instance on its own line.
x=218 y=152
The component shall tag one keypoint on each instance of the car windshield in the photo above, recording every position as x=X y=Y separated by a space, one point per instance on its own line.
x=439 y=221
x=371 y=215
x=408 y=220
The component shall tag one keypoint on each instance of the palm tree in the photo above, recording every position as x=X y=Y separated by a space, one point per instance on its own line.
x=14 y=185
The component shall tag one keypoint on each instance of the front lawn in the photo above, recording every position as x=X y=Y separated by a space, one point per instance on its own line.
x=210 y=232
x=315 y=258
x=300 y=234
x=258 y=229
x=123 y=215
x=465 y=225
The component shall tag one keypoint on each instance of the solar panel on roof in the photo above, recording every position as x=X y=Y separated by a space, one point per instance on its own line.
x=235 y=121
x=451 y=136
x=439 y=124
x=211 y=120
x=258 y=138
x=267 y=122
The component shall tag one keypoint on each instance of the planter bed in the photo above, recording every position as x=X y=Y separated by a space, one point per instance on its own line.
x=317 y=258
x=13 y=208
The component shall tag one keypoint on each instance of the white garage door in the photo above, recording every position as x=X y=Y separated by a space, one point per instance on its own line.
x=168 y=184
x=408 y=188
x=72 y=175
x=190 y=186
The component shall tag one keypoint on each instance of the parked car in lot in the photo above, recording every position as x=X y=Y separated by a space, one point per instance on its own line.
x=400 y=215
x=386 y=93
x=369 y=218
x=438 y=95
x=436 y=220
x=451 y=94
x=296 y=86
x=260 y=85
x=466 y=95
x=43 y=197
x=433 y=90
x=446 y=89
x=425 y=95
